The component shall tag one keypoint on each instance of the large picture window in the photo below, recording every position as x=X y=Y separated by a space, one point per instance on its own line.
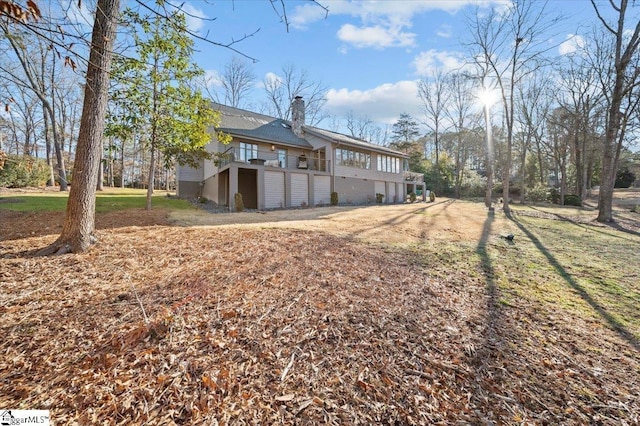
x=348 y=157
x=388 y=164
x=247 y=151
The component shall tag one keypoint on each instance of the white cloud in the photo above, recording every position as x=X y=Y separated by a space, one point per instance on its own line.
x=572 y=44
x=270 y=79
x=195 y=17
x=444 y=31
x=382 y=104
x=380 y=24
x=306 y=14
x=426 y=62
x=375 y=36
x=372 y=11
x=212 y=78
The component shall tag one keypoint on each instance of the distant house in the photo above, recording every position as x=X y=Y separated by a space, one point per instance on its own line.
x=276 y=163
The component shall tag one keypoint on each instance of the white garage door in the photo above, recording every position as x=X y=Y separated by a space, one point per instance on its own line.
x=274 y=190
x=322 y=189
x=379 y=188
x=392 y=193
x=299 y=189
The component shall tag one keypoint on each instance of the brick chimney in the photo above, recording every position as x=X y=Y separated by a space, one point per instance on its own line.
x=297 y=115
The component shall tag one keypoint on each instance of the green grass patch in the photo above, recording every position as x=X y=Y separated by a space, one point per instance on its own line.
x=107 y=201
x=585 y=270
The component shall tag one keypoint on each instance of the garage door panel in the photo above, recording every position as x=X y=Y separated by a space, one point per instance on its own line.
x=274 y=190
x=392 y=193
x=322 y=190
x=299 y=190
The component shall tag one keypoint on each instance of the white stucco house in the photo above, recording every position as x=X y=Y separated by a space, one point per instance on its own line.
x=276 y=163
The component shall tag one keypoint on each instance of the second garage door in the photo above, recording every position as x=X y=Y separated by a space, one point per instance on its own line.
x=322 y=190
x=299 y=190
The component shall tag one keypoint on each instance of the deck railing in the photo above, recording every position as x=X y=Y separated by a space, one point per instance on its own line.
x=272 y=159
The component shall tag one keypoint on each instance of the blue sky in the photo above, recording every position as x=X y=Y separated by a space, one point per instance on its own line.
x=368 y=53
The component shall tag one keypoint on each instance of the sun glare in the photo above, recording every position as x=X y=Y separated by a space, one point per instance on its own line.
x=487 y=97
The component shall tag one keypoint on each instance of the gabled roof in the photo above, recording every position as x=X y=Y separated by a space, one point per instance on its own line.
x=242 y=123
x=238 y=122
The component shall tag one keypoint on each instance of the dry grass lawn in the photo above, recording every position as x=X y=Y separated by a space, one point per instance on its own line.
x=409 y=314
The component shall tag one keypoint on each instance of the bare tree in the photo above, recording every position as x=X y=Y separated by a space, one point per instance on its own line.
x=579 y=95
x=281 y=90
x=459 y=112
x=559 y=144
x=237 y=81
x=34 y=71
x=511 y=44
x=532 y=105
x=616 y=61
x=435 y=97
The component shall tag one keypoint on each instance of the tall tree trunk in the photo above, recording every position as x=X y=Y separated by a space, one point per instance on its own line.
x=49 y=154
x=100 y=182
x=616 y=119
x=489 y=194
x=122 y=164
x=62 y=172
x=523 y=170
x=154 y=133
x=152 y=172
x=51 y=109
x=79 y=225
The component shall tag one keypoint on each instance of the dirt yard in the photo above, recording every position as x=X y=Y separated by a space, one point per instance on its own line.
x=314 y=316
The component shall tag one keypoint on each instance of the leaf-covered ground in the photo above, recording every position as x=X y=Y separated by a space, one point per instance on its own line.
x=160 y=324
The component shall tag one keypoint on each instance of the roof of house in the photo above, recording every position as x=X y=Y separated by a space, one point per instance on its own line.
x=240 y=122
x=351 y=141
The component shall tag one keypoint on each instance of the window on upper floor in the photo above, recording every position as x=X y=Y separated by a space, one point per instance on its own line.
x=388 y=164
x=351 y=158
x=247 y=151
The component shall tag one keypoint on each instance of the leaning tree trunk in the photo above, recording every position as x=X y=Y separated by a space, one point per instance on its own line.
x=79 y=225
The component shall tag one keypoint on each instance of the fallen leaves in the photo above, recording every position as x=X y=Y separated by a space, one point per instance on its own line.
x=268 y=326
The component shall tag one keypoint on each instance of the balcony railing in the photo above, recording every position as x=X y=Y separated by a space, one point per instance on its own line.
x=272 y=159
x=413 y=177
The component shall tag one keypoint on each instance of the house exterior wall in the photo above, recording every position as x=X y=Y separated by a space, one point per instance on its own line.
x=354 y=190
x=319 y=143
x=210 y=189
x=187 y=189
x=188 y=181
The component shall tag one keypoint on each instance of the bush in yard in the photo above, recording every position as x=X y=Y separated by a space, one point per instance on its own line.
x=537 y=194
x=554 y=196
x=379 y=197
x=21 y=171
x=624 y=178
x=334 y=198
x=412 y=196
x=572 y=200
x=432 y=196
x=237 y=198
